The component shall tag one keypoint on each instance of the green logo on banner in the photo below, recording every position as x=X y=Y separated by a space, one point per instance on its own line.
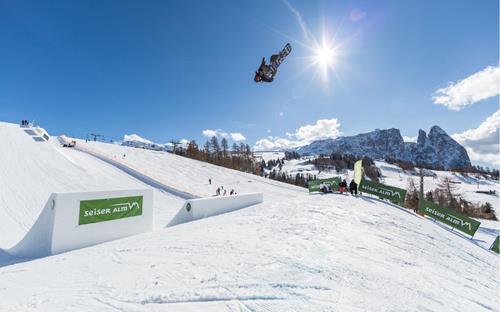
x=495 y=246
x=394 y=194
x=332 y=182
x=451 y=218
x=99 y=210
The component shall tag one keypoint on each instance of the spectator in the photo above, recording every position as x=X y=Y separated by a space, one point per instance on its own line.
x=353 y=187
x=342 y=186
x=217 y=192
x=209 y=181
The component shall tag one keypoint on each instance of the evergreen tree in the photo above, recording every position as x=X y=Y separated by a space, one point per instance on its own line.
x=215 y=147
x=224 y=145
x=192 y=150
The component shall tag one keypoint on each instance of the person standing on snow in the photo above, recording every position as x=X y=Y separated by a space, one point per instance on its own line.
x=353 y=188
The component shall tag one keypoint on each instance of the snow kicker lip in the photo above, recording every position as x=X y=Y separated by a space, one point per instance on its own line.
x=58 y=228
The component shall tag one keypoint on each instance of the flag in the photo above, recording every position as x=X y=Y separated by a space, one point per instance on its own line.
x=358 y=171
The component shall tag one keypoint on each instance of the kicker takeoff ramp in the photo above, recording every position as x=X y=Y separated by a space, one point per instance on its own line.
x=75 y=220
x=200 y=208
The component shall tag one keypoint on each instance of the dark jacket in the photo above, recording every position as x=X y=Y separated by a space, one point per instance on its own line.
x=353 y=185
x=264 y=73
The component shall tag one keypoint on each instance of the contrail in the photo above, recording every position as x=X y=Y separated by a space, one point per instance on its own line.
x=299 y=19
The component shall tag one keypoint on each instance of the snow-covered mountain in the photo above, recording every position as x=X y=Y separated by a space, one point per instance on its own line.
x=134 y=140
x=437 y=148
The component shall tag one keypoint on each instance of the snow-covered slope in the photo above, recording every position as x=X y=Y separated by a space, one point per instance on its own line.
x=465 y=186
x=30 y=171
x=294 y=252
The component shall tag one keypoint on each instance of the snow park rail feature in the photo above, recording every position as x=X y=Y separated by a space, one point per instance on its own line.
x=80 y=219
x=200 y=208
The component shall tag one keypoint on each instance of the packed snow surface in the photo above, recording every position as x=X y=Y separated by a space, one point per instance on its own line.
x=294 y=252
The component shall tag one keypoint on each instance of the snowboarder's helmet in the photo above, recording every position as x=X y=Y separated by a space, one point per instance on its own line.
x=257 y=78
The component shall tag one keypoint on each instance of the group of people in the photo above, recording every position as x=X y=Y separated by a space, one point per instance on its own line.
x=222 y=191
x=353 y=187
x=25 y=123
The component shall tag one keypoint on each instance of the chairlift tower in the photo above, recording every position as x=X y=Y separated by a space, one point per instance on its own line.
x=95 y=135
x=175 y=145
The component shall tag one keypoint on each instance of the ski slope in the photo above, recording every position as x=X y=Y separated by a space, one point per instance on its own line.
x=30 y=171
x=294 y=252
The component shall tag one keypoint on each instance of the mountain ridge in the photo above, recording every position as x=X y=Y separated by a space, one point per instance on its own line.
x=436 y=148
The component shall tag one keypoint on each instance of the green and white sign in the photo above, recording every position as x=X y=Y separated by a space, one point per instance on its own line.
x=495 y=246
x=99 y=210
x=394 y=194
x=333 y=183
x=450 y=217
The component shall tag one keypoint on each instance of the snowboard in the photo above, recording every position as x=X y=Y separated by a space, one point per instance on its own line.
x=281 y=57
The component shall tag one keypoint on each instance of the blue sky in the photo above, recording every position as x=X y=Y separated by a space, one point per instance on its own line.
x=172 y=69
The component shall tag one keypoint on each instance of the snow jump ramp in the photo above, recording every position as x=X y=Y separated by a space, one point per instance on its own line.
x=81 y=219
x=200 y=208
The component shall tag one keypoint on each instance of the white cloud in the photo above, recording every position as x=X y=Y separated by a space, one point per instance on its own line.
x=135 y=138
x=275 y=144
x=477 y=87
x=237 y=137
x=409 y=138
x=298 y=17
x=209 y=133
x=482 y=143
x=322 y=129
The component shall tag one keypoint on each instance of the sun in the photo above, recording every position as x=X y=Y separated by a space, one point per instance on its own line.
x=324 y=56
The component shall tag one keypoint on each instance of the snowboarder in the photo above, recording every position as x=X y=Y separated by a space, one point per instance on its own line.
x=266 y=73
x=353 y=188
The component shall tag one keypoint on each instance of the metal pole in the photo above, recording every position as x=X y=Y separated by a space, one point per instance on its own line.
x=421 y=193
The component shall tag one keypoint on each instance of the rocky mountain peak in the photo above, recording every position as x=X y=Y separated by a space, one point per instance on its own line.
x=437 y=148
